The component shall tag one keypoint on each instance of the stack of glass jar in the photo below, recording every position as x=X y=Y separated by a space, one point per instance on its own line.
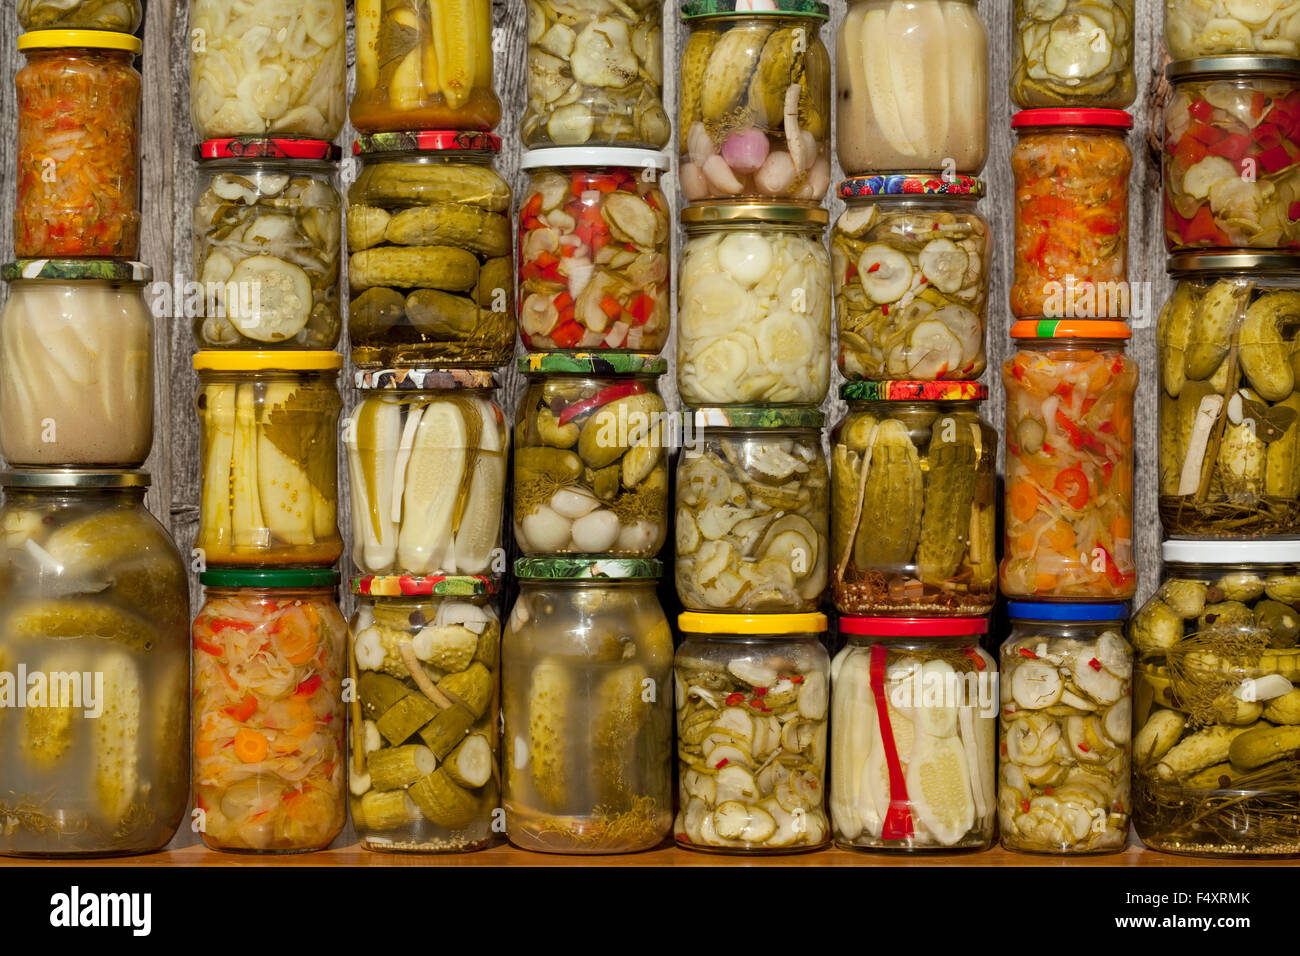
x=1068 y=565
x=1215 y=697
x=93 y=659
x=587 y=652
x=753 y=486
x=431 y=270
x=266 y=101
x=912 y=562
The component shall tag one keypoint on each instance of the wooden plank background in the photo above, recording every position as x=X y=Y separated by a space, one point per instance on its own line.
x=168 y=175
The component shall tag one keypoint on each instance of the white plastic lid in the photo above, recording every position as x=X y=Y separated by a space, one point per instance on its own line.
x=1261 y=551
x=616 y=156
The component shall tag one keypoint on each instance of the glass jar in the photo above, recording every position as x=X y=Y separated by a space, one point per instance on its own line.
x=930 y=548
x=267 y=68
x=762 y=138
x=76 y=364
x=1232 y=154
x=752 y=696
x=78 y=160
x=914 y=715
x=268 y=443
x=910 y=257
x=753 y=510
x=270 y=654
x=1215 y=703
x=1065 y=729
x=1228 y=439
x=1073 y=53
x=94 y=751
x=1211 y=27
x=595 y=75
x=115 y=16
x=595 y=250
x=587 y=693
x=267 y=236
x=591 y=468
x=431 y=267
x=913 y=87
x=396 y=453
x=754 y=306
x=424 y=66
x=1071 y=255
x=1069 y=464
x=423 y=772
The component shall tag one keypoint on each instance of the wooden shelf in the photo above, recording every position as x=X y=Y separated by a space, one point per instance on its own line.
x=665 y=856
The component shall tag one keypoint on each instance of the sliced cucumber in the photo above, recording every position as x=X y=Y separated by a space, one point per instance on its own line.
x=279 y=302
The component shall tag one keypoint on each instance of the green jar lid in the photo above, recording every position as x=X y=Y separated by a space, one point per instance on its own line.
x=71 y=270
x=592 y=363
x=424 y=379
x=701 y=9
x=579 y=567
x=423 y=585
x=269 y=578
x=758 y=416
x=913 y=392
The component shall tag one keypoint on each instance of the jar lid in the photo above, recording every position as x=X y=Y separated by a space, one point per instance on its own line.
x=260 y=147
x=1271 y=263
x=698 y=622
x=422 y=585
x=424 y=379
x=757 y=212
x=1231 y=63
x=426 y=141
x=1111 y=119
x=238 y=361
x=1081 y=613
x=1218 y=551
x=591 y=363
x=915 y=626
x=74 y=478
x=914 y=392
x=269 y=578
x=911 y=184
x=1070 y=329
x=757 y=416
x=87 y=39
x=580 y=568
x=620 y=157
x=703 y=9
x=72 y=270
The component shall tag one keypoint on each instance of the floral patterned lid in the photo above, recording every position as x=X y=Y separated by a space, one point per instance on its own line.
x=424 y=379
x=592 y=363
x=419 y=585
x=426 y=140
x=909 y=184
x=593 y=567
x=914 y=392
x=701 y=9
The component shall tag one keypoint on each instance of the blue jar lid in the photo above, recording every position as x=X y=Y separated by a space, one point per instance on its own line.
x=1077 y=613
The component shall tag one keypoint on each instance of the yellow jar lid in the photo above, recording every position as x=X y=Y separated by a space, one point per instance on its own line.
x=214 y=360
x=697 y=622
x=87 y=39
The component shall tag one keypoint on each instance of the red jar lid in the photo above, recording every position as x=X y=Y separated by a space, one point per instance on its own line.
x=1113 y=119
x=426 y=140
x=260 y=147
x=914 y=626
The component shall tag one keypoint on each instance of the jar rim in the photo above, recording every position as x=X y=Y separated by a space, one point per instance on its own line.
x=1231 y=551
x=751 y=625
x=901 y=186
x=1199 y=263
x=1101 y=120
x=269 y=578
x=255 y=148
x=424 y=585
x=54 y=479
x=1071 y=329
x=76 y=270
x=215 y=360
x=596 y=364
x=98 y=40
x=588 y=568
x=615 y=157
x=719 y=9
x=753 y=213
x=424 y=379
x=1246 y=65
x=914 y=626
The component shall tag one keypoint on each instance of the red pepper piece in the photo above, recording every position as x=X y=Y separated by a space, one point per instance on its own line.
x=898 y=818
x=797 y=679
x=611 y=307
x=1234 y=147
x=1072 y=485
x=1201 y=110
x=1026 y=652
x=245 y=709
x=734 y=699
x=1275 y=160
x=1202 y=228
x=603 y=397
x=1095 y=665
x=722 y=763
x=309 y=686
x=566 y=336
x=562 y=301
x=643 y=307
x=760 y=691
x=207 y=648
